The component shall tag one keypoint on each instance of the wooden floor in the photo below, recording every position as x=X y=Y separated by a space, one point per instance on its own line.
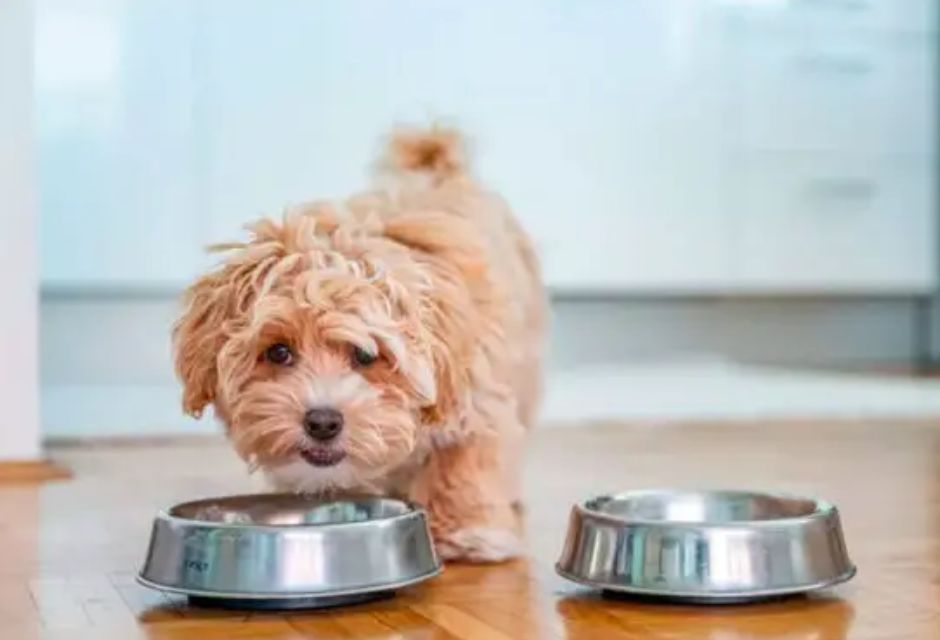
x=69 y=550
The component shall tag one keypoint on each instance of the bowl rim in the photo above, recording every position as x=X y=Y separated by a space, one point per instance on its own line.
x=413 y=510
x=822 y=510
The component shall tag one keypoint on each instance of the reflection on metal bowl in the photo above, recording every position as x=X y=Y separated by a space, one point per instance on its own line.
x=706 y=546
x=288 y=551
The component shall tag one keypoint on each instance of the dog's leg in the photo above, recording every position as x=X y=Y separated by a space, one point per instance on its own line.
x=464 y=489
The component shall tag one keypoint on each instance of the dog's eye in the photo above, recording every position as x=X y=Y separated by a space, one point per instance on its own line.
x=362 y=358
x=279 y=353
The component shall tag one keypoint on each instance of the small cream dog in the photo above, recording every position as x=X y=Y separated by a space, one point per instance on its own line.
x=387 y=344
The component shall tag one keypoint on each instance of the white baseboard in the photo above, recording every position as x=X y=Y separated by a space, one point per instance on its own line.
x=106 y=367
x=689 y=391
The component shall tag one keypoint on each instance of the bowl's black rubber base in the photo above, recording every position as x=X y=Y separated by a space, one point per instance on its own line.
x=670 y=599
x=281 y=604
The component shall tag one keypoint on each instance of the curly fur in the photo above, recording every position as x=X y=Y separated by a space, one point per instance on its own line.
x=430 y=272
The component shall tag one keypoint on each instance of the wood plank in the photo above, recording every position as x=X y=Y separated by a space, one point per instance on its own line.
x=69 y=551
x=32 y=471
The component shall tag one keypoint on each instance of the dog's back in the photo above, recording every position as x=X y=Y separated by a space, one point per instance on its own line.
x=427 y=169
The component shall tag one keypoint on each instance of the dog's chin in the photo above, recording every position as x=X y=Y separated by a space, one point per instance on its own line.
x=315 y=472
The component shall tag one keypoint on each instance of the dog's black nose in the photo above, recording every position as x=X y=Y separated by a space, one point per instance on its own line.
x=323 y=423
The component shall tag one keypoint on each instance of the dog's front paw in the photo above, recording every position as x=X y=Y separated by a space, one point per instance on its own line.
x=479 y=544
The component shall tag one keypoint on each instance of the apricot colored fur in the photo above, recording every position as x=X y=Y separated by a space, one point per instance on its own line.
x=429 y=271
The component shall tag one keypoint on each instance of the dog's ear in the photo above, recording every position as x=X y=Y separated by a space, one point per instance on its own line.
x=419 y=372
x=198 y=337
x=453 y=312
x=447 y=377
x=452 y=325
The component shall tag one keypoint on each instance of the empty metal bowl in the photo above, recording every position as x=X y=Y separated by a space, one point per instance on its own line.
x=288 y=551
x=706 y=546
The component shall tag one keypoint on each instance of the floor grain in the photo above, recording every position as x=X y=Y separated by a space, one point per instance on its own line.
x=69 y=550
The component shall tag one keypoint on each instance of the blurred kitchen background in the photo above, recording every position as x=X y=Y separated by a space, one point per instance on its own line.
x=734 y=200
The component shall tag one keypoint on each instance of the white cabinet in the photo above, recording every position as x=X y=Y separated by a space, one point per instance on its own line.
x=600 y=122
x=117 y=173
x=648 y=145
x=829 y=16
x=832 y=145
x=849 y=224
x=835 y=93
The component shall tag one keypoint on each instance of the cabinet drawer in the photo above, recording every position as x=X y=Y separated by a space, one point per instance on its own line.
x=834 y=95
x=804 y=223
x=886 y=16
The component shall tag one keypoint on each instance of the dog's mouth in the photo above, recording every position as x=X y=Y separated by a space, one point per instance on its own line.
x=322 y=457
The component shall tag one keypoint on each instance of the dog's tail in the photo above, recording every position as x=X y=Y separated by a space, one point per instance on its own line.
x=437 y=152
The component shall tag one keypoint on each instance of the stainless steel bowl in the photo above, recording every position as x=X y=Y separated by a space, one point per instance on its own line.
x=719 y=546
x=288 y=551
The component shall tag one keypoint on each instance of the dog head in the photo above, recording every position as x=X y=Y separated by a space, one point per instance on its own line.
x=316 y=344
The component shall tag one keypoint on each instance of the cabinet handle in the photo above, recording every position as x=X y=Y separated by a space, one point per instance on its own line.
x=846 y=189
x=835 y=64
x=841 y=5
